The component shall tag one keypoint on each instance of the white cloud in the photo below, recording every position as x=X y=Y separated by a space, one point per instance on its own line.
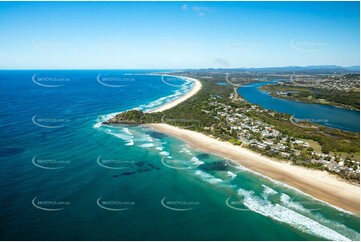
x=220 y=62
x=202 y=10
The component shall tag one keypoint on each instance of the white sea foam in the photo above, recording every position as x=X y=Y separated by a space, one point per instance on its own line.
x=268 y=191
x=122 y=136
x=196 y=161
x=149 y=139
x=238 y=166
x=264 y=207
x=231 y=174
x=287 y=201
x=305 y=194
x=242 y=168
x=130 y=143
x=165 y=153
x=288 y=216
x=102 y=118
x=147 y=145
x=186 y=87
x=159 y=148
x=185 y=150
x=341 y=228
x=143 y=138
x=97 y=125
x=208 y=177
x=160 y=101
x=126 y=130
x=109 y=116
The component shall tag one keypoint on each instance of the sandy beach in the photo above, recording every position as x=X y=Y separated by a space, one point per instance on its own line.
x=319 y=184
x=197 y=86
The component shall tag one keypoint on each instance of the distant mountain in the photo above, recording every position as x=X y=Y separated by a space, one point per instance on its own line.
x=321 y=69
x=354 y=68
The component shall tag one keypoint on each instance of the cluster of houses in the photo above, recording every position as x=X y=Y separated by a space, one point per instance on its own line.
x=327 y=82
x=265 y=138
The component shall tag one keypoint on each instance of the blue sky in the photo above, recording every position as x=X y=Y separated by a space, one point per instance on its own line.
x=166 y=35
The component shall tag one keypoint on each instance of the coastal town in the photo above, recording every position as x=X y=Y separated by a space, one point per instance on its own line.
x=340 y=90
x=225 y=115
x=180 y=120
x=266 y=139
x=332 y=82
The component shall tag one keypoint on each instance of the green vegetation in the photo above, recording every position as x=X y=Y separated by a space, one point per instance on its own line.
x=349 y=100
x=206 y=112
x=329 y=139
x=131 y=117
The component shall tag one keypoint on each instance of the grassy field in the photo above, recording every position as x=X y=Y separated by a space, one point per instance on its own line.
x=314 y=144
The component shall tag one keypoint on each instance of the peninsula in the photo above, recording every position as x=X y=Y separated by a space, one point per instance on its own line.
x=212 y=119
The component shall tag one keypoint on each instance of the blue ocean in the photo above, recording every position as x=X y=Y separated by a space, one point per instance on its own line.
x=64 y=176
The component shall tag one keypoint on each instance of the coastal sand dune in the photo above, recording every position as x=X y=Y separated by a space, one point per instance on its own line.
x=319 y=184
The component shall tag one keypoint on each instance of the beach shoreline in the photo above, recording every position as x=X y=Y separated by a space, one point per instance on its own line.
x=197 y=86
x=318 y=184
x=321 y=185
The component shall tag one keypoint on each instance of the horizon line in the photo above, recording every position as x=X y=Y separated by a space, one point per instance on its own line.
x=202 y=68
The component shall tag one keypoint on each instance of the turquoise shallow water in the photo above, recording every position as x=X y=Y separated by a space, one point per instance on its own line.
x=66 y=177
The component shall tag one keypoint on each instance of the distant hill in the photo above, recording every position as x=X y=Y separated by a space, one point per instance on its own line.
x=321 y=69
